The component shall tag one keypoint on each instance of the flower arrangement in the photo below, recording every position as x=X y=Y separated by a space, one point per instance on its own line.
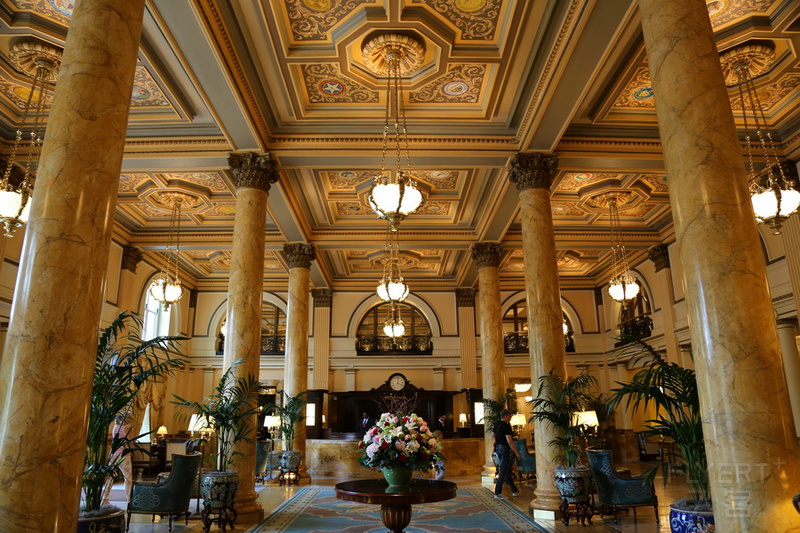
x=400 y=440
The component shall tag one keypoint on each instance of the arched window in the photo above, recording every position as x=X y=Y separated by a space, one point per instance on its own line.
x=371 y=340
x=515 y=329
x=156 y=318
x=273 y=331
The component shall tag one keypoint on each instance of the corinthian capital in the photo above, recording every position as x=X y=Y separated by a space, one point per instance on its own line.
x=487 y=254
x=253 y=171
x=533 y=171
x=299 y=255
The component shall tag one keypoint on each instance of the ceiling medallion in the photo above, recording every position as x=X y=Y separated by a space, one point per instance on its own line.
x=407 y=51
x=167 y=199
x=757 y=58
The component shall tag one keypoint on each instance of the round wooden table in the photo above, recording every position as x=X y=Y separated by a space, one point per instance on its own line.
x=395 y=506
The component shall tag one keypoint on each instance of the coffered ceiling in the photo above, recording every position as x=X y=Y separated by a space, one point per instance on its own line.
x=497 y=77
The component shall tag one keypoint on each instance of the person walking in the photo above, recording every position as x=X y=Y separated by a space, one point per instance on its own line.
x=504 y=447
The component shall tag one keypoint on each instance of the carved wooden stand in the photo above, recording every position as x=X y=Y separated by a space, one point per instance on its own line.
x=223 y=516
x=584 y=510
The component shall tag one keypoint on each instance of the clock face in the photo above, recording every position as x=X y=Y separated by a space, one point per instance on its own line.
x=397 y=381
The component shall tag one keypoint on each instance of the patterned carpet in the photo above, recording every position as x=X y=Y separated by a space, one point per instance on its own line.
x=472 y=511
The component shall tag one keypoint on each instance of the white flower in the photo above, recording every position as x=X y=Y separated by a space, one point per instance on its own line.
x=372 y=449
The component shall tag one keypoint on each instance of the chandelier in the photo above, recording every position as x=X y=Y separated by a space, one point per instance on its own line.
x=41 y=63
x=394 y=327
x=392 y=287
x=771 y=192
x=622 y=286
x=166 y=286
x=394 y=195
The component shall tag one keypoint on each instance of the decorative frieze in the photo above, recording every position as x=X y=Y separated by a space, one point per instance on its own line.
x=487 y=254
x=533 y=171
x=131 y=257
x=253 y=171
x=299 y=255
x=322 y=297
x=465 y=297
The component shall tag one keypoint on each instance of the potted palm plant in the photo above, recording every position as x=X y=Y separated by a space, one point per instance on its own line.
x=556 y=401
x=672 y=390
x=290 y=410
x=229 y=410
x=123 y=365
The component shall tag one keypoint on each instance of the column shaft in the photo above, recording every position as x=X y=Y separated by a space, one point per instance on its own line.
x=466 y=332
x=322 y=338
x=752 y=457
x=253 y=175
x=493 y=363
x=299 y=257
x=791 y=366
x=533 y=174
x=48 y=361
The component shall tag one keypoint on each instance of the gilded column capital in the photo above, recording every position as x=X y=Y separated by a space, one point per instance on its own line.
x=131 y=257
x=322 y=297
x=659 y=255
x=299 y=255
x=487 y=254
x=533 y=171
x=465 y=297
x=787 y=322
x=254 y=171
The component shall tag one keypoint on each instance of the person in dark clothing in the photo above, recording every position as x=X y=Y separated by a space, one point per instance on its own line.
x=440 y=425
x=364 y=423
x=504 y=447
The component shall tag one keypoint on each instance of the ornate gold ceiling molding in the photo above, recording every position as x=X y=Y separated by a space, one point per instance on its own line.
x=209 y=9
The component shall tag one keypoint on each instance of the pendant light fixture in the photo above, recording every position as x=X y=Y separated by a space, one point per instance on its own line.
x=166 y=286
x=41 y=63
x=622 y=285
x=773 y=195
x=394 y=195
x=392 y=287
x=394 y=327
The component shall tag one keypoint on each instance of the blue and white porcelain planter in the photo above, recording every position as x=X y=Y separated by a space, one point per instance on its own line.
x=219 y=489
x=574 y=484
x=681 y=521
x=111 y=523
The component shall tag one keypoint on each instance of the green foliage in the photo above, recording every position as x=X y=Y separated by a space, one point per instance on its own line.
x=555 y=402
x=672 y=390
x=230 y=410
x=290 y=410
x=493 y=408
x=123 y=364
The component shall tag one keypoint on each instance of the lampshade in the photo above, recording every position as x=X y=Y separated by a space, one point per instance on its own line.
x=394 y=327
x=272 y=421
x=198 y=424
x=462 y=418
x=522 y=387
x=518 y=420
x=585 y=418
x=389 y=289
x=621 y=289
x=162 y=430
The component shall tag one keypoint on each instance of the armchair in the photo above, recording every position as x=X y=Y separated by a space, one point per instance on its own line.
x=526 y=465
x=617 y=493
x=169 y=497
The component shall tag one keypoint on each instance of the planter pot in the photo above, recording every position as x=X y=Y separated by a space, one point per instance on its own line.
x=289 y=460
x=398 y=476
x=110 y=523
x=574 y=483
x=219 y=489
x=681 y=521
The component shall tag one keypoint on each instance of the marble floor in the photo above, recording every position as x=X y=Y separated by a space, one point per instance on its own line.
x=271 y=496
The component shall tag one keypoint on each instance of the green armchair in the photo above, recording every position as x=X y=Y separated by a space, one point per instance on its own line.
x=526 y=465
x=169 y=497
x=615 y=492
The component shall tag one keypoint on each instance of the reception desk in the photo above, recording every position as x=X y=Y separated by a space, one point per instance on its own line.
x=339 y=458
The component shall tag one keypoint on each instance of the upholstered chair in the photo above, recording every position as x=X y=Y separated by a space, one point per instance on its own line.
x=615 y=492
x=169 y=497
x=527 y=465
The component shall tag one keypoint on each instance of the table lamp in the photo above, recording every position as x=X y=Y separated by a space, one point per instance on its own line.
x=271 y=422
x=462 y=419
x=161 y=432
x=517 y=421
x=585 y=420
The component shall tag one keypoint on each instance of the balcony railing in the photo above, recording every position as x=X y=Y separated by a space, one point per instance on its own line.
x=407 y=345
x=270 y=345
x=517 y=342
x=639 y=327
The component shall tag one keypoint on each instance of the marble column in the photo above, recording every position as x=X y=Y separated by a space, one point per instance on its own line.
x=299 y=257
x=664 y=296
x=533 y=173
x=253 y=175
x=747 y=419
x=791 y=366
x=465 y=301
x=493 y=365
x=323 y=299
x=48 y=361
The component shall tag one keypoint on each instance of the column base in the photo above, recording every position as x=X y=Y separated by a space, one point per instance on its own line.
x=545 y=503
x=253 y=517
x=248 y=508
